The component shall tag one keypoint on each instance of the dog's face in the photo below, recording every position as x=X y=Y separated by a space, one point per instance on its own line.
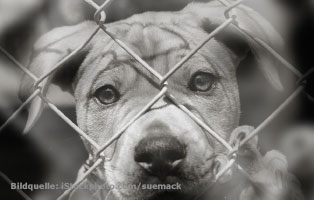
x=165 y=145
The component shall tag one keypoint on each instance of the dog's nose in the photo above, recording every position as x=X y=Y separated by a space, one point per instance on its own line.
x=160 y=155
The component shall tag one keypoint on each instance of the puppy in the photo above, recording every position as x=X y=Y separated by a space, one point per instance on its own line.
x=164 y=146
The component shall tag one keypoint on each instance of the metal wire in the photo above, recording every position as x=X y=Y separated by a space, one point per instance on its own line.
x=145 y=109
x=201 y=123
x=194 y=51
x=9 y=181
x=21 y=107
x=69 y=122
x=78 y=182
x=18 y=64
x=100 y=17
x=67 y=58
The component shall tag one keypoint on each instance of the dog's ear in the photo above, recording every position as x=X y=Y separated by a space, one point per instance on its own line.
x=48 y=52
x=212 y=15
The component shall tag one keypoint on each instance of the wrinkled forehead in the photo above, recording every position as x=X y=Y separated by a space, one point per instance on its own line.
x=146 y=40
x=161 y=46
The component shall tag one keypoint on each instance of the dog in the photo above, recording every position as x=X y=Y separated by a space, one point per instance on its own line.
x=164 y=146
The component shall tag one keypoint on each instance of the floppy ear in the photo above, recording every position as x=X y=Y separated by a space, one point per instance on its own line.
x=48 y=52
x=212 y=15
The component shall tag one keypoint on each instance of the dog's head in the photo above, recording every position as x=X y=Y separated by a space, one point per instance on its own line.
x=165 y=145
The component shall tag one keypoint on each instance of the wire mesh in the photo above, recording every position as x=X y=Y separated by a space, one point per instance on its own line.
x=100 y=17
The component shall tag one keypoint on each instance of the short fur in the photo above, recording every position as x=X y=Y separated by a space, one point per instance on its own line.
x=161 y=39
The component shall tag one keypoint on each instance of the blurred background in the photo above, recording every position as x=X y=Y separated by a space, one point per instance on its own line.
x=53 y=151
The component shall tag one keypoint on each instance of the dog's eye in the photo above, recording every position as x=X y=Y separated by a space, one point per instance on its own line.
x=107 y=94
x=202 y=81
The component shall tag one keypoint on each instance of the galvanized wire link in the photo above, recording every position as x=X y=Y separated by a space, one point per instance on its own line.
x=260 y=42
x=231 y=7
x=67 y=58
x=256 y=131
x=131 y=53
x=145 y=109
x=18 y=64
x=303 y=81
x=271 y=51
x=92 y=3
x=9 y=181
x=200 y=123
x=119 y=42
x=224 y=169
x=194 y=51
x=100 y=17
x=101 y=10
x=30 y=98
x=78 y=182
x=69 y=122
x=269 y=119
x=304 y=77
x=15 y=114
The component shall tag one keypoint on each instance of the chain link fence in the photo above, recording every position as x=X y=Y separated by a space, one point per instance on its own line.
x=98 y=159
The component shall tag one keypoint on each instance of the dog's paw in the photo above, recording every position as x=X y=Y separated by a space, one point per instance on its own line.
x=275 y=160
x=272 y=181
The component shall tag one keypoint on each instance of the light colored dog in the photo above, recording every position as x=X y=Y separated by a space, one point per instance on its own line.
x=164 y=146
